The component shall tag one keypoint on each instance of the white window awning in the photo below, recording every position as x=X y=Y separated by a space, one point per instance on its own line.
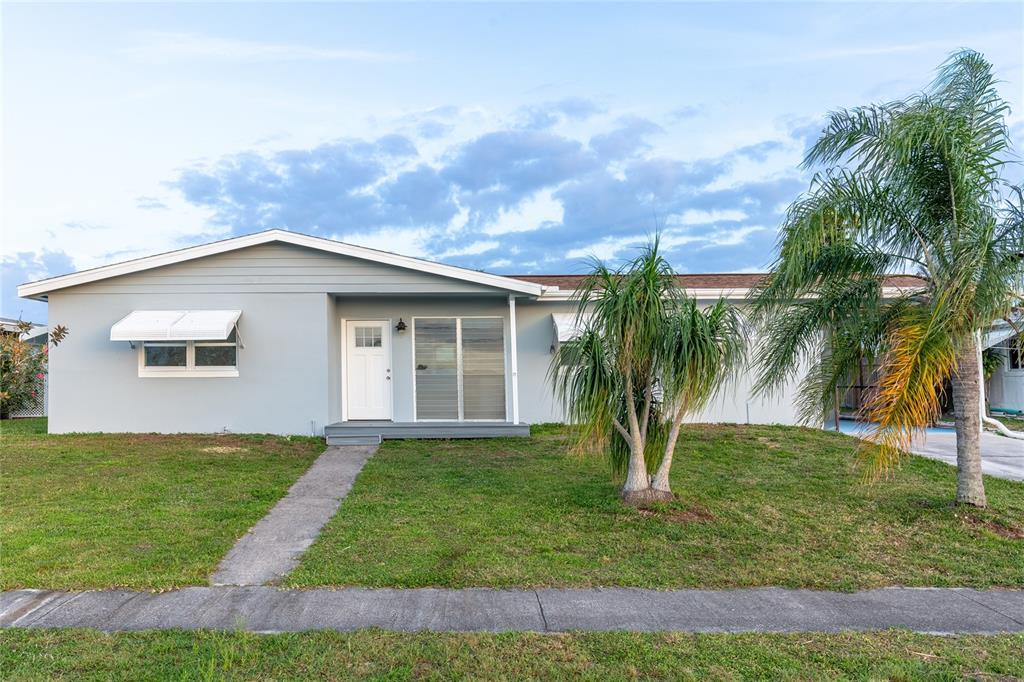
x=566 y=327
x=175 y=325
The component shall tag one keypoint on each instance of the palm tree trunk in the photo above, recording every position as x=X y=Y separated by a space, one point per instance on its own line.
x=636 y=490
x=661 y=484
x=970 y=487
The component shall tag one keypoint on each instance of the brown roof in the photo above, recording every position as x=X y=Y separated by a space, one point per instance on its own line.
x=711 y=280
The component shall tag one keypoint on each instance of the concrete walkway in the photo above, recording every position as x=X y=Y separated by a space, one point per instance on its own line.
x=770 y=609
x=273 y=546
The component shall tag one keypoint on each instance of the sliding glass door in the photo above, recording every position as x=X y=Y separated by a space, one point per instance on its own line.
x=437 y=368
x=460 y=368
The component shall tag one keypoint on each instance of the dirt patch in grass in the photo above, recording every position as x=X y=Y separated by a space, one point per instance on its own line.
x=1003 y=530
x=224 y=449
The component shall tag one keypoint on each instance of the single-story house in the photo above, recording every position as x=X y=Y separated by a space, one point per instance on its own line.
x=280 y=332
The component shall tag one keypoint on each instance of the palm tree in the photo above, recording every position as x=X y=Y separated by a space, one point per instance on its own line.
x=646 y=357
x=908 y=187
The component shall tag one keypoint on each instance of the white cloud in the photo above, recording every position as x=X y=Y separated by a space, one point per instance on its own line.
x=530 y=214
x=406 y=241
x=607 y=248
x=164 y=45
x=731 y=237
x=611 y=248
x=701 y=217
x=474 y=249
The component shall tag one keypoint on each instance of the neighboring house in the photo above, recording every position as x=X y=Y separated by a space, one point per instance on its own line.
x=285 y=333
x=1005 y=388
x=36 y=335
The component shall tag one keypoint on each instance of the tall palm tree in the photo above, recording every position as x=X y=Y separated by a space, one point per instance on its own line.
x=909 y=187
x=647 y=356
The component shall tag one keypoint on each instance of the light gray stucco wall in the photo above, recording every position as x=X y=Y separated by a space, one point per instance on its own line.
x=538 y=404
x=283 y=368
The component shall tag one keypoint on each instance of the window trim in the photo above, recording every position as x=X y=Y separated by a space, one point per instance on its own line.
x=458 y=365
x=190 y=370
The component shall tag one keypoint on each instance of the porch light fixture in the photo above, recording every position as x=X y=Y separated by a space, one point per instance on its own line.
x=401 y=326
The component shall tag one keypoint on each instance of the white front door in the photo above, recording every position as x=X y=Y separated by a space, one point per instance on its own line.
x=368 y=369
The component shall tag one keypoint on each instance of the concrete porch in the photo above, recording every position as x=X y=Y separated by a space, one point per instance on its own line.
x=373 y=432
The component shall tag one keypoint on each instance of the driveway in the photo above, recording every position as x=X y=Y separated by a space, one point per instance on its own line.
x=1000 y=456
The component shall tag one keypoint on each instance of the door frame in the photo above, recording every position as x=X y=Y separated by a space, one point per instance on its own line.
x=345 y=322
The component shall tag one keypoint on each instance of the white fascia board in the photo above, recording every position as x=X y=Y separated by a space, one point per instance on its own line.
x=567 y=294
x=736 y=294
x=40 y=288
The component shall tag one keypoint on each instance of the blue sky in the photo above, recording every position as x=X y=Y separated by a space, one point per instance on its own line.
x=511 y=138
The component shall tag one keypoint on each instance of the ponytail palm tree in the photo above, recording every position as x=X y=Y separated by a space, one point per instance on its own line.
x=910 y=187
x=647 y=356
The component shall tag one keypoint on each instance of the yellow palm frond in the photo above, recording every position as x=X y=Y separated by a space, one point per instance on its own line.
x=919 y=358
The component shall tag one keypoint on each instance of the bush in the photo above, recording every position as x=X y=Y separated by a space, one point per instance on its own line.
x=23 y=368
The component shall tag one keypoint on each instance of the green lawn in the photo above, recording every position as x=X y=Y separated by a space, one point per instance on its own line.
x=758 y=506
x=88 y=655
x=1012 y=423
x=143 y=511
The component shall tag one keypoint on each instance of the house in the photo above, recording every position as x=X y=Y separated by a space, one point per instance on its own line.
x=280 y=332
x=34 y=334
x=1004 y=389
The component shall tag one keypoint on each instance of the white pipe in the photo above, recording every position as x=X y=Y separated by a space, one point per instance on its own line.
x=999 y=426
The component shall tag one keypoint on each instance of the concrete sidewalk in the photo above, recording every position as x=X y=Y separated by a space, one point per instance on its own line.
x=771 y=609
x=273 y=546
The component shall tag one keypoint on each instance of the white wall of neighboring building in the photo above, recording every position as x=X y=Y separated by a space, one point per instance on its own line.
x=1005 y=388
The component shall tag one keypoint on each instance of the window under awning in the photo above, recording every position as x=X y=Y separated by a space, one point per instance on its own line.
x=175 y=325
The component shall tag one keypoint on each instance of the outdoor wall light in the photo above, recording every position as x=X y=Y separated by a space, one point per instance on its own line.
x=401 y=326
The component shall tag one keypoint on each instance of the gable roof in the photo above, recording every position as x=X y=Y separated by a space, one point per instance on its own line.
x=40 y=288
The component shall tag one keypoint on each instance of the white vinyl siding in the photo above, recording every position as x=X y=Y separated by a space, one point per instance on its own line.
x=459 y=368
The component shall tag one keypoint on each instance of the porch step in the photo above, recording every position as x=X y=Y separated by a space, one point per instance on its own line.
x=353 y=440
x=345 y=433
